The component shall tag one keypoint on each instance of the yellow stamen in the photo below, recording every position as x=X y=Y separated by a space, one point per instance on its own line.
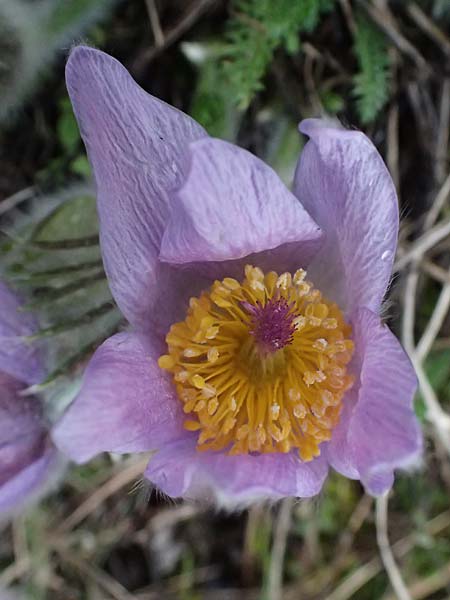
x=246 y=392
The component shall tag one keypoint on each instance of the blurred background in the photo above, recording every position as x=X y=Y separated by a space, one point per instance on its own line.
x=248 y=70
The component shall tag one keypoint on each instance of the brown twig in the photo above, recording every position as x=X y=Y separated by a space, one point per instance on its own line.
x=425 y=587
x=154 y=22
x=100 y=577
x=392 y=157
x=383 y=17
x=434 y=413
x=429 y=27
x=443 y=133
x=387 y=557
x=435 y=271
x=189 y=19
x=367 y=571
x=423 y=244
x=438 y=204
x=434 y=324
x=282 y=524
x=12 y=201
x=113 y=485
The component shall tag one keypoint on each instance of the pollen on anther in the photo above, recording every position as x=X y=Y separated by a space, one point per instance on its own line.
x=208 y=391
x=299 y=276
x=211 y=333
x=198 y=381
x=300 y=411
x=320 y=344
x=309 y=378
x=284 y=281
x=212 y=406
x=191 y=352
x=166 y=362
x=181 y=376
x=293 y=395
x=275 y=410
x=213 y=355
x=201 y=405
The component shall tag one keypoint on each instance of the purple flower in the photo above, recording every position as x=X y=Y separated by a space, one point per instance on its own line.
x=247 y=375
x=27 y=456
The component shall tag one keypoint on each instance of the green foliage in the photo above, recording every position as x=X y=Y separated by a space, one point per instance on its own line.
x=212 y=105
x=70 y=140
x=66 y=15
x=67 y=127
x=256 y=30
x=371 y=84
x=332 y=102
x=53 y=258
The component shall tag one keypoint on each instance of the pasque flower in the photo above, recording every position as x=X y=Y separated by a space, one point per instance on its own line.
x=256 y=357
x=27 y=456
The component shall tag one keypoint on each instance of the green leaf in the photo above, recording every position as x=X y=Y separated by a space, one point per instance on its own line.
x=80 y=166
x=67 y=127
x=371 y=84
x=332 y=102
x=257 y=29
x=71 y=220
x=65 y=15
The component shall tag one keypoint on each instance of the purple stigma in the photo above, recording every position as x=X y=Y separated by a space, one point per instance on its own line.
x=272 y=325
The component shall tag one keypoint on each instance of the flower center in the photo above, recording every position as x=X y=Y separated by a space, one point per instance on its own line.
x=272 y=324
x=261 y=366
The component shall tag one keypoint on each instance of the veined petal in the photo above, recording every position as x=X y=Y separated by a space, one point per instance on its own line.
x=135 y=144
x=32 y=480
x=179 y=470
x=26 y=456
x=343 y=183
x=20 y=416
x=232 y=205
x=126 y=403
x=17 y=357
x=340 y=454
x=381 y=432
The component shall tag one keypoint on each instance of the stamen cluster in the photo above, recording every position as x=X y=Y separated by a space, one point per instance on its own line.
x=261 y=366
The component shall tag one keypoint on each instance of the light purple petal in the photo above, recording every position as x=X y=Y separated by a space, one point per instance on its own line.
x=382 y=431
x=343 y=183
x=29 y=482
x=178 y=469
x=17 y=357
x=126 y=403
x=341 y=456
x=232 y=205
x=20 y=416
x=25 y=452
x=135 y=144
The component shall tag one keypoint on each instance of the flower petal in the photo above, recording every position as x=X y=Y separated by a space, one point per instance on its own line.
x=126 y=403
x=135 y=144
x=382 y=431
x=17 y=357
x=20 y=416
x=28 y=482
x=25 y=453
x=343 y=183
x=178 y=469
x=338 y=450
x=232 y=205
